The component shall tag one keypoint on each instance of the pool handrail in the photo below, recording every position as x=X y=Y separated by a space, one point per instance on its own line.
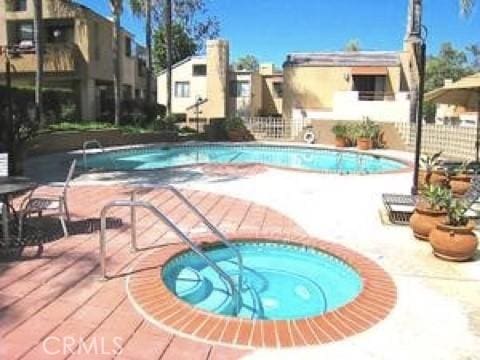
x=133 y=203
x=99 y=146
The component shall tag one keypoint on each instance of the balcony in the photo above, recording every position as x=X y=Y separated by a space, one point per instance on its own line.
x=58 y=58
x=376 y=96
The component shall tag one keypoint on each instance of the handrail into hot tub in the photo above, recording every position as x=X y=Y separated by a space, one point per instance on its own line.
x=99 y=146
x=133 y=204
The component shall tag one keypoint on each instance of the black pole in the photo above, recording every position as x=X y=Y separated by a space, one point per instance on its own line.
x=477 y=140
x=419 y=119
x=9 y=141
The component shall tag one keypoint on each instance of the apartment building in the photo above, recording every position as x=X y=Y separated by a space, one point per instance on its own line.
x=78 y=54
x=346 y=86
x=227 y=91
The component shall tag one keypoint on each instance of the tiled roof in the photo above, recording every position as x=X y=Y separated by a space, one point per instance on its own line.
x=360 y=58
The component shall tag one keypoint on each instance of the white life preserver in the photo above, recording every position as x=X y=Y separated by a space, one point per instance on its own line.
x=309 y=137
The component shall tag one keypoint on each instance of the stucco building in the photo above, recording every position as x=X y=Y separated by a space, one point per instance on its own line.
x=78 y=53
x=227 y=91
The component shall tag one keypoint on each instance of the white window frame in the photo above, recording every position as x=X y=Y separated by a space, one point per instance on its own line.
x=182 y=89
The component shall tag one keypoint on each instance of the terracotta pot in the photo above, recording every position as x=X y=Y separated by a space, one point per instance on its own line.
x=364 y=143
x=424 y=220
x=454 y=243
x=460 y=184
x=340 y=142
x=436 y=177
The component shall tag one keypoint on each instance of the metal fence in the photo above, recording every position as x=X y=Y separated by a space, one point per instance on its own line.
x=455 y=142
x=3 y=164
x=268 y=128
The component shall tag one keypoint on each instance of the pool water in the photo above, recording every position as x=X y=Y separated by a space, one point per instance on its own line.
x=157 y=157
x=280 y=281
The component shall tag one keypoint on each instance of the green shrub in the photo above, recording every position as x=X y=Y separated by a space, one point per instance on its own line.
x=340 y=130
x=234 y=123
x=215 y=131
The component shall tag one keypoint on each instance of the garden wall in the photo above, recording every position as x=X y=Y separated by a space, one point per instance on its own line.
x=456 y=142
x=324 y=135
x=67 y=141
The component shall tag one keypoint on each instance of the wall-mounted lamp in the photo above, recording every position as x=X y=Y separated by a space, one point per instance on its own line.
x=346 y=76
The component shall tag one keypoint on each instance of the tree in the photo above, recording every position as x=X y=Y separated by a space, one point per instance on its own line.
x=451 y=64
x=169 y=42
x=248 y=62
x=353 y=45
x=142 y=8
x=117 y=8
x=183 y=46
x=474 y=51
x=38 y=37
x=466 y=6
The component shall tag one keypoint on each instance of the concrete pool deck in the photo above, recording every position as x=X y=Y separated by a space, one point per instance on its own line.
x=437 y=315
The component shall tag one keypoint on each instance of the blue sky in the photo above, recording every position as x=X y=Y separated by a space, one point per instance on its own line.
x=269 y=29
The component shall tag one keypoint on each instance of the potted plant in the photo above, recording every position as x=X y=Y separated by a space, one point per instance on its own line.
x=430 y=211
x=459 y=180
x=367 y=130
x=340 y=132
x=454 y=238
x=429 y=174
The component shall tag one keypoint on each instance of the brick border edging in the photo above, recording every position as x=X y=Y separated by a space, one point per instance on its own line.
x=154 y=301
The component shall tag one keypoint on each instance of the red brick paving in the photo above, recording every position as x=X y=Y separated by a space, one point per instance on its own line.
x=55 y=307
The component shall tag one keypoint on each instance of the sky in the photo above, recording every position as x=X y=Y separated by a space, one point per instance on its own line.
x=270 y=29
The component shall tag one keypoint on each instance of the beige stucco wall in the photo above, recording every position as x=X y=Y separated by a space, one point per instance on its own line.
x=271 y=104
x=314 y=87
x=217 y=79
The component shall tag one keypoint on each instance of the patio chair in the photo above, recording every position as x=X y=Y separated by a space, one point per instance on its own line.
x=55 y=204
x=400 y=206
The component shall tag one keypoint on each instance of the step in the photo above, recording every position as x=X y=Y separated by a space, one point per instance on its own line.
x=191 y=286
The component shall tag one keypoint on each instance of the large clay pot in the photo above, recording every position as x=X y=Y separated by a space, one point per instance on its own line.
x=460 y=184
x=340 y=142
x=424 y=220
x=364 y=143
x=454 y=243
x=236 y=135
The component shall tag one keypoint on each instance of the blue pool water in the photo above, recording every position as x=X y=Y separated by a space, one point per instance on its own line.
x=148 y=158
x=280 y=281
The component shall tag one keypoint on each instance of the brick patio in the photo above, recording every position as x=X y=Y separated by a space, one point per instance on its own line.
x=58 y=296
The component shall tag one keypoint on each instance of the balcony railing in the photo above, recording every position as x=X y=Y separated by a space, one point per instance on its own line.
x=376 y=96
x=57 y=58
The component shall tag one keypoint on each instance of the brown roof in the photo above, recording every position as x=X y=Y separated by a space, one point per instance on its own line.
x=346 y=58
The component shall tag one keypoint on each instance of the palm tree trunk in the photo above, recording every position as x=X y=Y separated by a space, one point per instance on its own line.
x=117 y=71
x=148 y=41
x=38 y=38
x=168 y=27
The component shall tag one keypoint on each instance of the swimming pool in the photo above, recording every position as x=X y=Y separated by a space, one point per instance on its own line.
x=280 y=281
x=324 y=160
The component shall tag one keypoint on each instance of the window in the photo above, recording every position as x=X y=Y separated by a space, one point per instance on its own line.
x=24 y=32
x=128 y=47
x=278 y=89
x=18 y=5
x=370 y=87
x=182 y=89
x=199 y=70
x=240 y=88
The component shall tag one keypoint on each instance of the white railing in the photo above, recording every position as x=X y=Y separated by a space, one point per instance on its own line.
x=268 y=128
x=3 y=164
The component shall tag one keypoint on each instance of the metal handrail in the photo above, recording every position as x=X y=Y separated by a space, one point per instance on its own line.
x=85 y=146
x=133 y=204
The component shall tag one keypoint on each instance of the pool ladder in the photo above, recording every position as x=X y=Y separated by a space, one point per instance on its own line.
x=98 y=145
x=133 y=203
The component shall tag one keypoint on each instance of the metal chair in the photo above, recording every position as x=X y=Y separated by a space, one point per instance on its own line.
x=55 y=204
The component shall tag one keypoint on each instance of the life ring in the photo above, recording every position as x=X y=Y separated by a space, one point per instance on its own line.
x=309 y=137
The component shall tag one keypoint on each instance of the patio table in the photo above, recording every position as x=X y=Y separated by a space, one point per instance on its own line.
x=9 y=186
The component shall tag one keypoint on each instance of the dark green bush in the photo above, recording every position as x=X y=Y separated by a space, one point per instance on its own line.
x=216 y=131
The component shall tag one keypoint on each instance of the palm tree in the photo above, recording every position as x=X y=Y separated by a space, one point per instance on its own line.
x=466 y=6
x=144 y=8
x=116 y=6
x=168 y=28
x=38 y=39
